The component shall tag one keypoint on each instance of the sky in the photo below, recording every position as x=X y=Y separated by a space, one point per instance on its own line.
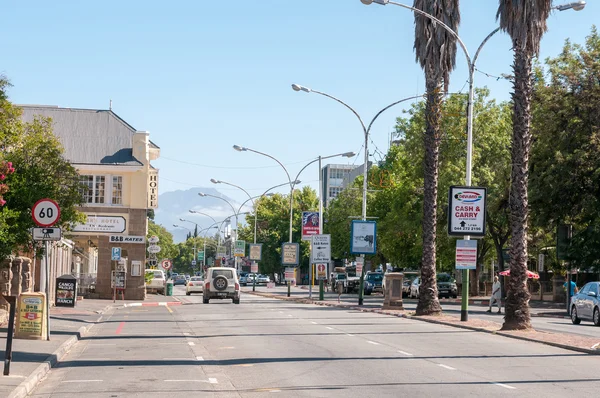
x=202 y=76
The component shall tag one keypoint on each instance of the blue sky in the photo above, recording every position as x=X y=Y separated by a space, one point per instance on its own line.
x=202 y=76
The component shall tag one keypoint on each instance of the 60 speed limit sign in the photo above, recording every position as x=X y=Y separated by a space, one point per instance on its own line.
x=45 y=212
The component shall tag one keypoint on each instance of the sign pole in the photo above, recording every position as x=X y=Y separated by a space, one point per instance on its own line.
x=47 y=266
x=115 y=283
x=310 y=274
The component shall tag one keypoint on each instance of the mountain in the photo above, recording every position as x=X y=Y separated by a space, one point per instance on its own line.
x=174 y=205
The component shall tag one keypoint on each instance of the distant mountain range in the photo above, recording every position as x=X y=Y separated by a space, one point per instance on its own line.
x=174 y=205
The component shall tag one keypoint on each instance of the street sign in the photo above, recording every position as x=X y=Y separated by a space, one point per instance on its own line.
x=221 y=251
x=541 y=259
x=153 y=249
x=166 y=264
x=321 y=271
x=310 y=224
x=363 y=237
x=254 y=267
x=153 y=239
x=193 y=262
x=45 y=212
x=200 y=255
x=46 y=233
x=240 y=248
x=466 y=211
x=321 y=248
x=116 y=254
x=360 y=262
x=126 y=239
x=290 y=274
x=290 y=253
x=255 y=251
x=466 y=254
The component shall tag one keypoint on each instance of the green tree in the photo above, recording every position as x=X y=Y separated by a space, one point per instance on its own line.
x=167 y=248
x=436 y=52
x=525 y=23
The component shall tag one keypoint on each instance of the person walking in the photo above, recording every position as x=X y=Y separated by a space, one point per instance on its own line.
x=496 y=295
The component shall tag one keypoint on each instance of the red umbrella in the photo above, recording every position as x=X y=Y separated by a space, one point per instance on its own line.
x=530 y=274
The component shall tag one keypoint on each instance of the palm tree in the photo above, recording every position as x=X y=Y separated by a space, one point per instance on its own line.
x=525 y=23
x=435 y=50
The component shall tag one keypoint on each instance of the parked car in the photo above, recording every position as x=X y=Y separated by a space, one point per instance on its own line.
x=221 y=283
x=194 y=285
x=446 y=285
x=376 y=279
x=409 y=277
x=263 y=279
x=368 y=287
x=250 y=278
x=414 y=287
x=157 y=281
x=179 y=280
x=243 y=280
x=585 y=305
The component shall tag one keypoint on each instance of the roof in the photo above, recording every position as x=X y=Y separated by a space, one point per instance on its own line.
x=89 y=136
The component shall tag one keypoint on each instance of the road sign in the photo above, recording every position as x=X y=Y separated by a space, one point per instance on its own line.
x=254 y=268
x=360 y=262
x=193 y=262
x=45 y=212
x=153 y=239
x=290 y=274
x=116 y=254
x=541 y=259
x=321 y=271
x=221 y=251
x=466 y=211
x=240 y=248
x=321 y=248
x=46 y=233
x=166 y=264
x=200 y=255
x=289 y=253
x=153 y=249
x=255 y=251
x=363 y=237
x=126 y=239
x=310 y=224
x=466 y=254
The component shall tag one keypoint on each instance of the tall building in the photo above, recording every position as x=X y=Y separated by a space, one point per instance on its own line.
x=120 y=185
x=337 y=177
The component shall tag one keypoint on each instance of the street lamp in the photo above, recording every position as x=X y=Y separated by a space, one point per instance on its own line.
x=577 y=6
x=204 y=214
x=181 y=226
x=366 y=130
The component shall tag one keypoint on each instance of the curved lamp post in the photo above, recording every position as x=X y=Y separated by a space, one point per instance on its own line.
x=181 y=226
x=577 y=6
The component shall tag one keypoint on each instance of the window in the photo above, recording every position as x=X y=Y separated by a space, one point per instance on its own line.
x=585 y=289
x=594 y=288
x=223 y=272
x=117 y=190
x=93 y=188
x=99 y=189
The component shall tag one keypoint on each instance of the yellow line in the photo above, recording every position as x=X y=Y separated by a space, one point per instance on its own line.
x=170 y=310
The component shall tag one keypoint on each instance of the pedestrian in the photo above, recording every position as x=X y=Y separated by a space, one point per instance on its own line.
x=496 y=295
x=572 y=289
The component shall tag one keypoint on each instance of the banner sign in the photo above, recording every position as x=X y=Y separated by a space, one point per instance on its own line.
x=240 y=248
x=321 y=271
x=310 y=224
x=200 y=255
x=102 y=224
x=221 y=251
x=321 y=248
x=290 y=253
x=126 y=239
x=466 y=254
x=363 y=237
x=152 y=189
x=466 y=211
x=255 y=251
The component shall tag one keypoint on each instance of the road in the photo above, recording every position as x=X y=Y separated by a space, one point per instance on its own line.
x=266 y=346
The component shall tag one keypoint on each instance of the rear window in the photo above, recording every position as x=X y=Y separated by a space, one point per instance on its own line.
x=227 y=273
x=158 y=274
x=196 y=278
x=375 y=277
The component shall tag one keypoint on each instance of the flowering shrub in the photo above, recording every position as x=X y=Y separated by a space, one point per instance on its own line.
x=6 y=168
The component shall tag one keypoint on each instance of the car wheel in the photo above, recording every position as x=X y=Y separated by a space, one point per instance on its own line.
x=596 y=317
x=187 y=293
x=205 y=301
x=574 y=318
x=220 y=282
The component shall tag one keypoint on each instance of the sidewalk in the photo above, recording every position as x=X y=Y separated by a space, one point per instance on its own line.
x=577 y=343
x=32 y=359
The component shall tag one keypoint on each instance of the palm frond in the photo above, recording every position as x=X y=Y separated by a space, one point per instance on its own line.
x=525 y=22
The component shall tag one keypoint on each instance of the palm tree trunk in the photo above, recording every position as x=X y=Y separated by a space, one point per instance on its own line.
x=517 y=299
x=428 y=294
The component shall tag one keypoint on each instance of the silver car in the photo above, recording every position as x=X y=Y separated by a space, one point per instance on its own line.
x=585 y=305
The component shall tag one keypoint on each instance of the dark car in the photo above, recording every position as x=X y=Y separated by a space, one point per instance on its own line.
x=179 y=280
x=368 y=287
x=376 y=279
x=446 y=285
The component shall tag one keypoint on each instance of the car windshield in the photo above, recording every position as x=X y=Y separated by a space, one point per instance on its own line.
x=375 y=277
x=227 y=273
x=445 y=278
x=158 y=274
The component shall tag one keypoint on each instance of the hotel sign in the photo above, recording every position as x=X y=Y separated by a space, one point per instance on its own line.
x=153 y=189
x=102 y=224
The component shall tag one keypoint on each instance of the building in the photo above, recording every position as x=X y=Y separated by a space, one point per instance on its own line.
x=336 y=177
x=113 y=160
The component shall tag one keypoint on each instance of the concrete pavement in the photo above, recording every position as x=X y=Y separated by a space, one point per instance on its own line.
x=267 y=346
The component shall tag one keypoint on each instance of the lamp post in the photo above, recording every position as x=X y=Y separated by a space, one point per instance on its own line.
x=204 y=214
x=236 y=222
x=366 y=131
x=205 y=232
x=244 y=149
x=319 y=159
x=181 y=226
x=577 y=6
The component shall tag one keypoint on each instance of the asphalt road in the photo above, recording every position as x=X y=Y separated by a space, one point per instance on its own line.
x=266 y=346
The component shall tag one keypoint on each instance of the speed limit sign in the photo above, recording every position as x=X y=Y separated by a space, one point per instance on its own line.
x=45 y=212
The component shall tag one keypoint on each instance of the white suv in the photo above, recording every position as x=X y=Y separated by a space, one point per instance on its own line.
x=221 y=283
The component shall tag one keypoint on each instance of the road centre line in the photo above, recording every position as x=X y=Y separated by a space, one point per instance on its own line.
x=505 y=386
x=169 y=309
x=372 y=342
x=446 y=366
x=210 y=380
x=314 y=323
x=348 y=334
x=81 y=381
x=327 y=327
x=406 y=353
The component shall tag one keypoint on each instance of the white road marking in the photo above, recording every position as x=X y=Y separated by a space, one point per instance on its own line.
x=191 y=343
x=210 y=380
x=102 y=344
x=314 y=323
x=327 y=327
x=186 y=333
x=372 y=342
x=405 y=353
x=446 y=366
x=505 y=386
x=348 y=334
x=81 y=381
x=199 y=359
x=281 y=312
x=290 y=315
